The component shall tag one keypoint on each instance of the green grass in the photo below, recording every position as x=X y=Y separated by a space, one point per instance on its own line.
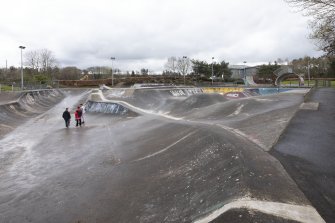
x=311 y=83
x=9 y=88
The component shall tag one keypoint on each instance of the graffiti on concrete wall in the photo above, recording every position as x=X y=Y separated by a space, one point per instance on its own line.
x=186 y=92
x=222 y=90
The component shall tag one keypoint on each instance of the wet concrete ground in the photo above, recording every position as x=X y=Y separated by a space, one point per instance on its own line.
x=307 y=151
x=153 y=165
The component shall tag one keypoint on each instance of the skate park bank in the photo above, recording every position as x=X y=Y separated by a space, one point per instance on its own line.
x=149 y=155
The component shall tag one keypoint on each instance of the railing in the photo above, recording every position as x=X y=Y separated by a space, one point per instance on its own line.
x=324 y=83
x=16 y=86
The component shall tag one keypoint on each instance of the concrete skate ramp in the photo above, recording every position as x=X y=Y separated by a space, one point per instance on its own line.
x=182 y=158
x=284 y=72
x=261 y=119
x=249 y=81
x=16 y=108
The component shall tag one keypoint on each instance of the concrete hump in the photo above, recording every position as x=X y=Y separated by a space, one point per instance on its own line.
x=26 y=105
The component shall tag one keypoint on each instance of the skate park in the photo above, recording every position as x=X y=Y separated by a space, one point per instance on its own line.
x=151 y=154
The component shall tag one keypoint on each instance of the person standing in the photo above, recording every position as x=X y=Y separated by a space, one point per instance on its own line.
x=82 y=108
x=67 y=117
x=77 y=115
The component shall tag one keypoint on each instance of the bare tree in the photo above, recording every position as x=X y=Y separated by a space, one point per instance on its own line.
x=183 y=65
x=32 y=59
x=47 y=59
x=316 y=8
x=171 y=64
x=280 y=61
x=323 y=24
x=324 y=33
x=144 y=71
x=41 y=60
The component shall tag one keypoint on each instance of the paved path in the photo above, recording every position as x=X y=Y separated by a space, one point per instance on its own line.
x=307 y=151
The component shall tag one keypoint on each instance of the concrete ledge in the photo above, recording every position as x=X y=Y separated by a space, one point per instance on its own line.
x=310 y=106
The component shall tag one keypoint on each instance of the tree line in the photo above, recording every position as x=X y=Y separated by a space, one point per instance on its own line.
x=321 y=67
x=202 y=69
x=42 y=67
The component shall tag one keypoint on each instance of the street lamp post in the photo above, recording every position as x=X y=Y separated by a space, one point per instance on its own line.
x=308 y=72
x=22 y=48
x=245 y=73
x=112 y=58
x=212 y=70
x=184 y=67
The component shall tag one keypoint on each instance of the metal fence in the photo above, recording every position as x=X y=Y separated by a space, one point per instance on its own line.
x=16 y=86
x=324 y=83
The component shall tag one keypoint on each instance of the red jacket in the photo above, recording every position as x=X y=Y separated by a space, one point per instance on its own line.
x=76 y=115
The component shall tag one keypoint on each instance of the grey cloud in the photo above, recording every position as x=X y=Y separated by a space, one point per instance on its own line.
x=147 y=32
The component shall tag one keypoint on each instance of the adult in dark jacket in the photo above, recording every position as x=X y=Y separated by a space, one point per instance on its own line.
x=67 y=117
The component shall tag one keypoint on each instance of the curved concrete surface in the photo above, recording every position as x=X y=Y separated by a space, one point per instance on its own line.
x=16 y=108
x=286 y=75
x=249 y=81
x=284 y=72
x=152 y=156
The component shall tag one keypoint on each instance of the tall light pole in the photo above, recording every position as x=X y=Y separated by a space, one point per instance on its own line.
x=184 y=67
x=212 y=70
x=245 y=73
x=22 y=48
x=112 y=58
x=308 y=72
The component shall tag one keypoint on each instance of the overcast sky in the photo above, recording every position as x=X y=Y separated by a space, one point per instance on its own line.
x=144 y=33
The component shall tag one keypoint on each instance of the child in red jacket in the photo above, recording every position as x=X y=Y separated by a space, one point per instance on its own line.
x=77 y=116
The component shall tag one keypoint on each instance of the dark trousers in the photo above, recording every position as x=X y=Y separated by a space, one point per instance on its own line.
x=67 y=122
x=78 y=122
